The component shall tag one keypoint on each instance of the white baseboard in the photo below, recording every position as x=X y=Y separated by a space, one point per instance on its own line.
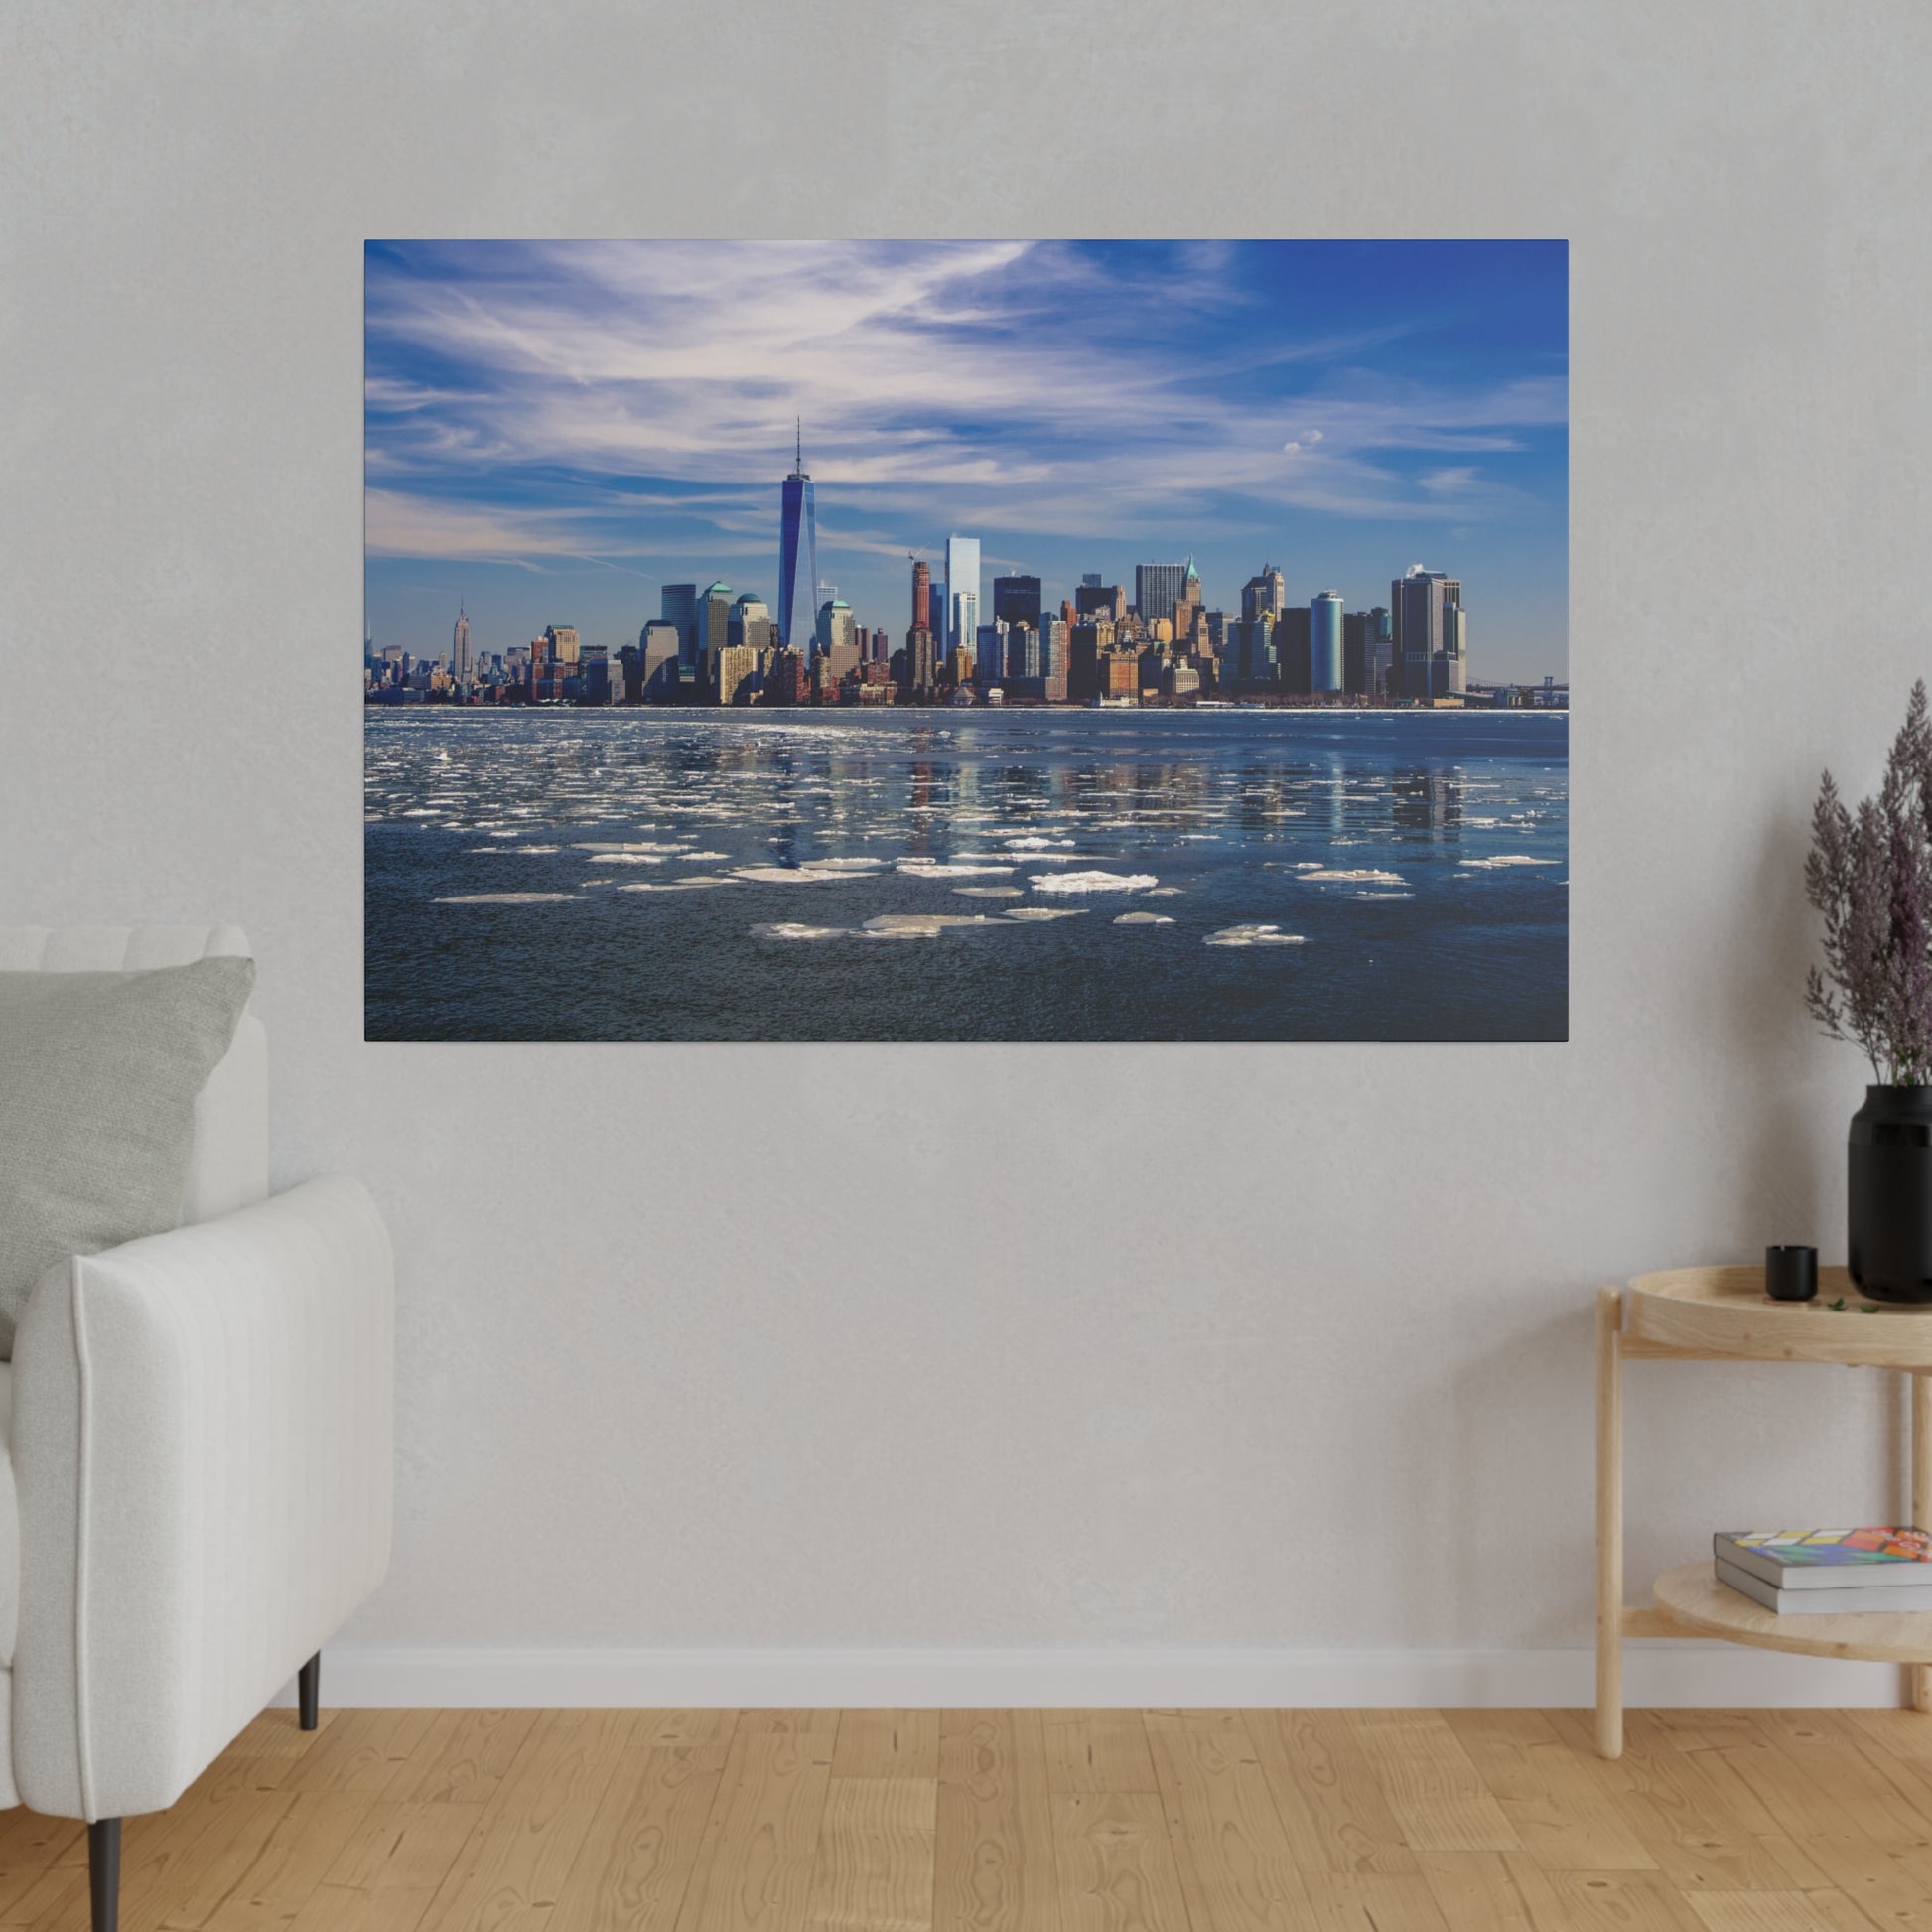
x=1655 y=1674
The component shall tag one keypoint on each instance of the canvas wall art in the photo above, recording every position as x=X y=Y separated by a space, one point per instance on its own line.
x=1148 y=640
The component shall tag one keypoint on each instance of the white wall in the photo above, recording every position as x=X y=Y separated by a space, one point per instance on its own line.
x=1011 y=1364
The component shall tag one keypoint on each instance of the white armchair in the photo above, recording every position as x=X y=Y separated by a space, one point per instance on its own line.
x=199 y=1463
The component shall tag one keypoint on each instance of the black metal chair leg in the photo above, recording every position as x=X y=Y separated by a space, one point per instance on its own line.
x=308 y=1690
x=105 y=1872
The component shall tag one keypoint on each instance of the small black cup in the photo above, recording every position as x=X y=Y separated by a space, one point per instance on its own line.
x=1791 y=1273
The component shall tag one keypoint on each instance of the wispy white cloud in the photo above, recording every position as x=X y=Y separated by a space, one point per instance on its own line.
x=938 y=381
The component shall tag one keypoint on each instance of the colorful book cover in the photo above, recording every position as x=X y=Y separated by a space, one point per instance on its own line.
x=1822 y=1549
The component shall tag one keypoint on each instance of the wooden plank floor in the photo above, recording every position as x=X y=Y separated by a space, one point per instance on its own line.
x=1022 y=1820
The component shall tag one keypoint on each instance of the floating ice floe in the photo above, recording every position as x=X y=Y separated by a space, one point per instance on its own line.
x=1359 y=876
x=1033 y=912
x=988 y=892
x=506 y=899
x=1251 y=935
x=791 y=930
x=932 y=869
x=627 y=845
x=1093 y=882
x=836 y=865
x=922 y=925
x=703 y=858
x=1033 y=843
x=786 y=874
x=696 y=881
x=472 y=851
x=625 y=859
x=1506 y=859
x=1164 y=891
x=1143 y=918
x=1372 y=897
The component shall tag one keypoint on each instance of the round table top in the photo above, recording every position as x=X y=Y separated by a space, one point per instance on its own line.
x=1726 y=1311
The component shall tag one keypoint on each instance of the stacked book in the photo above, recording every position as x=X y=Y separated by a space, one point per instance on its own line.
x=1827 y=1573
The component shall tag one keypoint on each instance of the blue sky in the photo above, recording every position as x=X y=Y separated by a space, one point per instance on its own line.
x=554 y=430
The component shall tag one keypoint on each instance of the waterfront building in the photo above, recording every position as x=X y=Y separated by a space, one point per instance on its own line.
x=560 y=643
x=919 y=664
x=1357 y=659
x=1427 y=636
x=660 y=649
x=840 y=661
x=1187 y=612
x=797 y=556
x=750 y=624
x=1181 y=680
x=922 y=595
x=965 y=621
x=1053 y=657
x=962 y=583
x=1325 y=644
x=1023 y=653
x=735 y=678
x=1121 y=674
x=602 y=677
x=1156 y=590
x=1016 y=600
x=678 y=607
x=1086 y=644
x=1380 y=645
x=1295 y=649
x=713 y=626
x=460 y=646
x=993 y=650
x=1264 y=594
x=1260 y=650
x=835 y=627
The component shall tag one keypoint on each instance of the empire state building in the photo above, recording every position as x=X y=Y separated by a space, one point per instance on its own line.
x=798 y=558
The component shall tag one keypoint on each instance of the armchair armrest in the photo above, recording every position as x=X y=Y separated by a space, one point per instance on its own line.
x=202 y=1450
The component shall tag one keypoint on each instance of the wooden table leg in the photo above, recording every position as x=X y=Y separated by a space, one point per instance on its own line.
x=1609 y=1522
x=1921 y=1384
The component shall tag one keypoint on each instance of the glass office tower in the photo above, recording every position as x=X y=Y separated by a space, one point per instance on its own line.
x=1324 y=641
x=798 y=558
x=962 y=579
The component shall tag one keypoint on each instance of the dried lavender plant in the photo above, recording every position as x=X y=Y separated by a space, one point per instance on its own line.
x=1869 y=874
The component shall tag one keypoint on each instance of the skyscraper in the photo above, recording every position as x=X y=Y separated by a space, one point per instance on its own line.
x=835 y=629
x=1325 y=644
x=1016 y=600
x=965 y=621
x=1264 y=593
x=460 y=647
x=1187 y=608
x=1157 y=589
x=678 y=604
x=750 y=624
x=1424 y=607
x=921 y=596
x=797 y=557
x=962 y=580
x=713 y=626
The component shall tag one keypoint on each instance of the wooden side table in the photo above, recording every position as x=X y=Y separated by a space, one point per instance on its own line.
x=1705 y=1315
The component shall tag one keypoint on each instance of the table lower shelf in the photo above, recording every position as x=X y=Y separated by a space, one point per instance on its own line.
x=1697 y=1603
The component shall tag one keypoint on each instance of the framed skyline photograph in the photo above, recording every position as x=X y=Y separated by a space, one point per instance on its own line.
x=1146 y=641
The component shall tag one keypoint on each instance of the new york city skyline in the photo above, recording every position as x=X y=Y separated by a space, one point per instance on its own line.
x=554 y=431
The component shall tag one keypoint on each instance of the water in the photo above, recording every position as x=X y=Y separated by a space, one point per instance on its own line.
x=712 y=875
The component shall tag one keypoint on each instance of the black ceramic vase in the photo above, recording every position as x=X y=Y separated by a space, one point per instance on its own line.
x=1890 y=1195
